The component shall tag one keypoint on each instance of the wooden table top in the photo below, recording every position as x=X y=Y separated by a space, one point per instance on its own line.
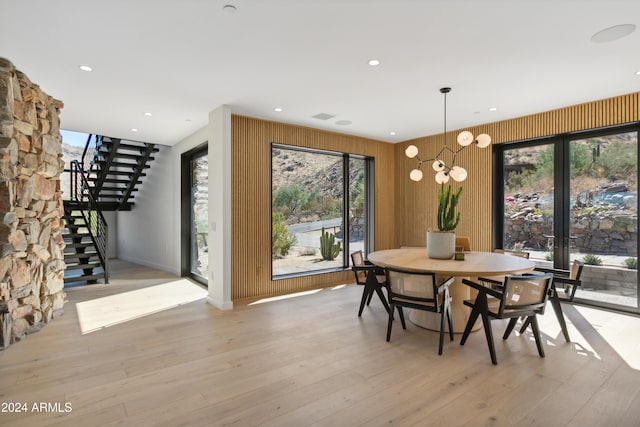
x=474 y=264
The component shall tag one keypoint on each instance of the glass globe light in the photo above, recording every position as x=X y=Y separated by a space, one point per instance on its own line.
x=438 y=165
x=458 y=174
x=442 y=177
x=415 y=175
x=483 y=140
x=465 y=138
x=411 y=151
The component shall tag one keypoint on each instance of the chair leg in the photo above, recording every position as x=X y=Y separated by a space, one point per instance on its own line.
x=486 y=322
x=369 y=298
x=472 y=320
x=555 y=303
x=401 y=312
x=450 y=322
x=378 y=289
x=368 y=292
x=363 y=300
x=536 y=334
x=441 y=338
x=525 y=323
x=390 y=322
x=510 y=326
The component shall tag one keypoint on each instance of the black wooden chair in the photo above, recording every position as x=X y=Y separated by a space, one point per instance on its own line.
x=419 y=291
x=521 y=296
x=565 y=284
x=371 y=277
x=496 y=281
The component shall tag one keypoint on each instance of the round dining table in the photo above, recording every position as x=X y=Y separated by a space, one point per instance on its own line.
x=474 y=265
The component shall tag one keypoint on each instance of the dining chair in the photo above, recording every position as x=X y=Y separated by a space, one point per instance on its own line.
x=565 y=284
x=497 y=281
x=418 y=291
x=371 y=277
x=520 y=296
x=463 y=243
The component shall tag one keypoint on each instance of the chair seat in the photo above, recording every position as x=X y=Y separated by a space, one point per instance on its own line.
x=425 y=304
x=493 y=307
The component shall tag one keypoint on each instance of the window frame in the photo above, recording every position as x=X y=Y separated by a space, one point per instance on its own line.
x=369 y=205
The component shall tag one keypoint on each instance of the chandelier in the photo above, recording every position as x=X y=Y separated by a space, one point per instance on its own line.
x=442 y=169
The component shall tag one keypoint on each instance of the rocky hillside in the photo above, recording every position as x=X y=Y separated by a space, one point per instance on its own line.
x=69 y=153
x=311 y=170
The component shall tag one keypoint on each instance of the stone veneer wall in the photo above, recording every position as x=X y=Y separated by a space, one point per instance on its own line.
x=31 y=245
x=602 y=234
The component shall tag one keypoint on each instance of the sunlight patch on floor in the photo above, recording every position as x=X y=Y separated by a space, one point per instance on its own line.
x=619 y=332
x=115 y=309
x=287 y=296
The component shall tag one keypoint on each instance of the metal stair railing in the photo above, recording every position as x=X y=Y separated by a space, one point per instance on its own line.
x=90 y=150
x=93 y=217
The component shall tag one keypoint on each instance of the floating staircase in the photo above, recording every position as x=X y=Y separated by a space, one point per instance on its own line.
x=115 y=171
x=106 y=179
x=80 y=252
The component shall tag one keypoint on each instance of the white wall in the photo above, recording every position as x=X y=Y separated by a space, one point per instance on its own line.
x=145 y=233
x=149 y=234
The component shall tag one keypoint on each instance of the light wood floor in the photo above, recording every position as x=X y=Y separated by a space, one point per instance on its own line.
x=310 y=361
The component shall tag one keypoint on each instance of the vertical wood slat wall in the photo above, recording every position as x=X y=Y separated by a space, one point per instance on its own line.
x=417 y=201
x=251 y=201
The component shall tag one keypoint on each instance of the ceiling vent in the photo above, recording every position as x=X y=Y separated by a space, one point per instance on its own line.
x=323 y=116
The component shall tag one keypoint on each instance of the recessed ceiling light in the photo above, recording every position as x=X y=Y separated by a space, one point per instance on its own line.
x=343 y=122
x=392 y=133
x=148 y=114
x=278 y=109
x=493 y=109
x=85 y=68
x=134 y=130
x=229 y=8
x=613 y=33
x=637 y=73
x=374 y=62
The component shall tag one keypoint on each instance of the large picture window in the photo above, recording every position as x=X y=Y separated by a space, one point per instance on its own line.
x=575 y=197
x=319 y=209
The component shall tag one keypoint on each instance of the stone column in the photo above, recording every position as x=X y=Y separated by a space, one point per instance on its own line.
x=31 y=246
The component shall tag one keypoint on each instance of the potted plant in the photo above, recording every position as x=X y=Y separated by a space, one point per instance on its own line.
x=442 y=244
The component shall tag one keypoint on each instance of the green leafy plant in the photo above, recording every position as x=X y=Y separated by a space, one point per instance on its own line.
x=631 y=263
x=448 y=219
x=590 y=259
x=328 y=246
x=548 y=256
x=281 y=238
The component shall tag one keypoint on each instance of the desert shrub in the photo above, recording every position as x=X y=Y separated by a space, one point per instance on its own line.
x=293 y=198
x=281 y=238
x=308 y=251
x=591 y=259
x=631 y=263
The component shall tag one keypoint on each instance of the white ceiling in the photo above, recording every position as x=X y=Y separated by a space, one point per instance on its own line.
x=180 y=59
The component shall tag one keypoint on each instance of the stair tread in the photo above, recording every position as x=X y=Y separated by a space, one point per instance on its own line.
x=83 y=278
x=83 y=266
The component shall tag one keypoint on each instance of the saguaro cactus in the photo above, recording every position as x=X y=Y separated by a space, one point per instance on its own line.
x=328 y=246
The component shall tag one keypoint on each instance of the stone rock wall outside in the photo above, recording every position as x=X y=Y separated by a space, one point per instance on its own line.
x=592 y=234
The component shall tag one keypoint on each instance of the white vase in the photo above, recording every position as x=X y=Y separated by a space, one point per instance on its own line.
x=441 y=244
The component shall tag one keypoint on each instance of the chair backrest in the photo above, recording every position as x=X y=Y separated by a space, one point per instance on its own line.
x=409 y=286
x=576 y=270
x=464 y=243
x=525 y=294
x=357 y=260
x=522 y=254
